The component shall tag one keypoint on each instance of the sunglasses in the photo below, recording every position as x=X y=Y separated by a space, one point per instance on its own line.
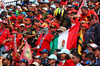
x=50 y=59
x=42 y=53
x=93 y=49
x=90 y=19
x=72 y=57
x=26 y=20
x=22 y=26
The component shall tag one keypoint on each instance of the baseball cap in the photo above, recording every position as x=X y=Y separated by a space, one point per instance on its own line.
x=25 y=61
x=85 y=51
x=22 y=24
x=47 y=20
x=35 y=63
x=7 y=56
x=98 y=48
x=20 y=17
x=61 y=29
x=87 y=41
x=53 y=57
x=74 y=51
x=93 y=45
x=33 y=5
x=37 y=56
x=75 y=4
x=66 y=51
x=44 y=51
x=45 y=8
x=53 y=6
x=24 y=13
x=13 y=17
x=85 y=25
x=49 y=16
x=72 y=6
x=33 y=21
x=69 y=6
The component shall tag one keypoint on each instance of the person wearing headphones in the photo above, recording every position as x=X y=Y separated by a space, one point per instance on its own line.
x=7 y=60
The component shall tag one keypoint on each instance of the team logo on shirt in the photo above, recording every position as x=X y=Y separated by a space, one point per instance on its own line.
x=33 y=32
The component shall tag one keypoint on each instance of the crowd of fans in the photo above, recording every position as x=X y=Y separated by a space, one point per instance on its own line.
x=39 y=22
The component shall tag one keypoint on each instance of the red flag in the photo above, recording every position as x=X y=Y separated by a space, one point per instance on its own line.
x=79 y=11
x=1 y=3
x=26 y=53
x=72 y=36
x=73 y=32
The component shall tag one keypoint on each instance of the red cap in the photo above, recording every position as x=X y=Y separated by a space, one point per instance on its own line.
x=13 y=17
x=74 y=10
x=63 y=3
x=11 y=36
x=85 y=25
x=28 y=19
x=56 y=25
x=75 y=4
x=47 y=20
x=17 y=26
x=20 y=17
x=97 y=4
x=70 y=12
x=49 y=16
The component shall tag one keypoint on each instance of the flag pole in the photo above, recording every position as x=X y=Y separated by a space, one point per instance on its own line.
x=3 y=5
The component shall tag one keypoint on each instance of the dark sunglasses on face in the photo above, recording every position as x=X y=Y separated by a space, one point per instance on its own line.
x=22 y=26
x=93 y=49
x=25 y=20
x=50 y=59
x=42 y=53
x=90 y=19
x=72 y=57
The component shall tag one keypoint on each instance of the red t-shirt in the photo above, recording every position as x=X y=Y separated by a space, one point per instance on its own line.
x=67 y=63
x=45 y=44
x=5 y=34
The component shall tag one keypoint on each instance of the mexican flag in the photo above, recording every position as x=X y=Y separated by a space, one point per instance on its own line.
x=66 y=40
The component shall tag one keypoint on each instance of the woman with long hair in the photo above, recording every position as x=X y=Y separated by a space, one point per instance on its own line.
x=66 y=60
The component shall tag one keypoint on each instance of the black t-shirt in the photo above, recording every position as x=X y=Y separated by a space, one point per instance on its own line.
x=31 y=41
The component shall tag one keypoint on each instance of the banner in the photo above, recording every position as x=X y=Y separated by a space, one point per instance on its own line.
x=26 y=53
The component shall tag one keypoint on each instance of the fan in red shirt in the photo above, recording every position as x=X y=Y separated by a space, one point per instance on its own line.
x=85 y=14
x=43 y=41
x=4 y=34
x=14 y=20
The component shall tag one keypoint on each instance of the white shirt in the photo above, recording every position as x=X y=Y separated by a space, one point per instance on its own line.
x=79 y=64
